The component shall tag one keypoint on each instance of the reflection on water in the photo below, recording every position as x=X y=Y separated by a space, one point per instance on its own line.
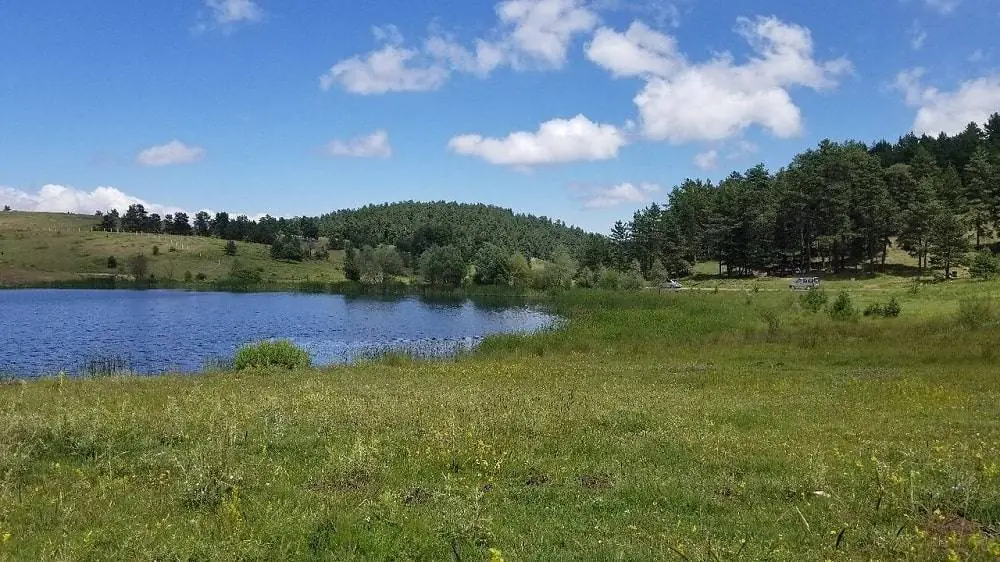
x=45 y=331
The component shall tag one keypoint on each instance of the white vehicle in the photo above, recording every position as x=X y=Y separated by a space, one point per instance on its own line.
x=804 y=283
x=673 y=284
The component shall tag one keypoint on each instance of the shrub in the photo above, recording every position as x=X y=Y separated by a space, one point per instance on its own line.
x=892 y=309
x=985 y=265
x=843 y=308
x=156 y=250
x=280 y=353
x=112 y=262
x=814 y=300
x=608 y=279
x=138 y=266
x=201 y=277
x=231 y=248
x=188 y=276
x=976 y=312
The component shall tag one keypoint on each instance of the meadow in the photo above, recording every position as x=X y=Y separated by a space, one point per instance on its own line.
x=52 y=248
x=695 y=425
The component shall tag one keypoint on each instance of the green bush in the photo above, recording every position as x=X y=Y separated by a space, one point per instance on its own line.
x=112 y=262
x=280 y=353
x=892 y=309
x=843 y=308
x=814 y=300
x=976 y=312
x=156 y=250
x=985 y=265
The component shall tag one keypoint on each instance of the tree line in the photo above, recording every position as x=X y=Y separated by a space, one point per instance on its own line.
x=838 y=206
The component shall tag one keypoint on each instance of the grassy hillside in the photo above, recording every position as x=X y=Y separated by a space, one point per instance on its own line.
x=690 y=426
x=45 y=247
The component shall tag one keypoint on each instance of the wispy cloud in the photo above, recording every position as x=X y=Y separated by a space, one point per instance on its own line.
x=173 y=153
x=374 y=145
x=606 y=197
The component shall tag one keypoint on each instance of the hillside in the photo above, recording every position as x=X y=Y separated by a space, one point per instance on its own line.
x=38 y=248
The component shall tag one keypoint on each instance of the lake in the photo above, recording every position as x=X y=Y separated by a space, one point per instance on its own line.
x=43 y=332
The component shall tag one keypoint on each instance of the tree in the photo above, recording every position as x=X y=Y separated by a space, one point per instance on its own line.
x=287 y=248
x=219 y=226
x=202 y=224
x=981 y=195
x=948 y=243
x=378 y=265
x=562 y=267
x=135 y=218
x=518 y=270
x=110 y=222
x=658 y=274
x=138 y=266
x=443 y=265
x=986 y=265
x=181 y=225
x=112 y=262
x=918 y=222
x=6 y=208
x=491 y=263
x=351 y=270
x=231 y=248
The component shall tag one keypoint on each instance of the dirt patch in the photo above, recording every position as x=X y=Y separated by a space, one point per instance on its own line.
x=598 y=481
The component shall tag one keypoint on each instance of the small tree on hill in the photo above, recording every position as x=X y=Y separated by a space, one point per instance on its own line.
x=948 y=242
x=231 y=248
x=6 y=208
x=138 y=266
x=986 y=265
x=112 y=262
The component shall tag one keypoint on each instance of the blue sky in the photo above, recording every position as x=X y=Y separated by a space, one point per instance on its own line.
x=573 y=109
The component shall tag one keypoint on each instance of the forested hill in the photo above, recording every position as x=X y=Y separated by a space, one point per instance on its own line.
x=838 y=206
x=416 y=226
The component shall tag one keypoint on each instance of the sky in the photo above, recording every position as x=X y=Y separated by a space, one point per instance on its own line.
x=582 y=110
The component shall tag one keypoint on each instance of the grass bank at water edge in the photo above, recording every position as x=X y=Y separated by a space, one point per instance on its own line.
x=687 y=426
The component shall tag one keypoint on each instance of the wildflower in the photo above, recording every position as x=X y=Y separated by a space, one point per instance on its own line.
x=496 y=555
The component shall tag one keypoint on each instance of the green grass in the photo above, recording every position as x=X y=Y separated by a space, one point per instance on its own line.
x=40 y=248
x=688 y=426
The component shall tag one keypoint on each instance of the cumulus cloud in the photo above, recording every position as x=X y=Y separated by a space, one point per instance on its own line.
x=391 y=68
x=374 y=145
x=717 y=99
x=605 y=197
x=640 y=51
x=173 y=153
x=226 y=14
x=948 y=112
x=555 y=141
x=708 y=160
x=64 y=199
x=529 y=35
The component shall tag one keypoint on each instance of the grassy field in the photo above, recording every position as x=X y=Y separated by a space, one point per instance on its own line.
x=40 y=248
x=693 y=425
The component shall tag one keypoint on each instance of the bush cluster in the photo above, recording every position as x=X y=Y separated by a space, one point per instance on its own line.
x=889 y=310
x=265 y=354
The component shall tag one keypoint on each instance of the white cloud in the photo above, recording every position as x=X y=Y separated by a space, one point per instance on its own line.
x=225 y=14
x=540 y=31
x=708 y=160
x=943 y=6
x=917 y=36
x=390 y=69
x=556 y=141
x=605 y=197
x=174 y=152
x=529 y=35
x=718 y=99
x=640 y=51
x=977 y=56
x=948 y=112
x=63 y=199
x=375 y=145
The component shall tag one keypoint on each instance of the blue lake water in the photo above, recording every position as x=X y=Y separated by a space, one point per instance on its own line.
x=47 y=331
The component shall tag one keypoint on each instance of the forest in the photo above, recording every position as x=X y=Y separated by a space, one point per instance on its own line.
x=837 y=207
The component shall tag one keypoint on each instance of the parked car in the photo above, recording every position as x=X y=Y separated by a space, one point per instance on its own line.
x=804 y=283
x=673 y=284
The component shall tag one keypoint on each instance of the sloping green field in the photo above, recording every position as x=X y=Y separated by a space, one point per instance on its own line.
x=687 y=426
x=45 y=247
